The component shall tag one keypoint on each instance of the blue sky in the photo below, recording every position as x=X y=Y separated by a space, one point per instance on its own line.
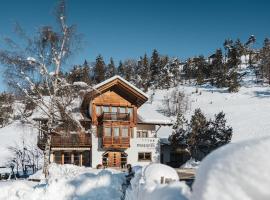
x=127 y=28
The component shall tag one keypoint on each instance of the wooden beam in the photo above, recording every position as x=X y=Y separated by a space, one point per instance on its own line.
x=62 y=158
x=72 y=158
x=81 y=159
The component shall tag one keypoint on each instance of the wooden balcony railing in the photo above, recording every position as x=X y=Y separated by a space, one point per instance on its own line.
x=116 y=142
x=114 y=116
x=71 y=140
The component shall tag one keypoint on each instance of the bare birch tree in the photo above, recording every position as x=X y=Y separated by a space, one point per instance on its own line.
x=34 y=69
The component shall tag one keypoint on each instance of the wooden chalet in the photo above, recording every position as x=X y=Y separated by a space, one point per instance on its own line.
x=114 y=135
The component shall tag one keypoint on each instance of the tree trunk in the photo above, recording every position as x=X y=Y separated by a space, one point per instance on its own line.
x=47 y=156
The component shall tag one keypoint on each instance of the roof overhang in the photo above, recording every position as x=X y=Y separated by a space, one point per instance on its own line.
x=119 y=85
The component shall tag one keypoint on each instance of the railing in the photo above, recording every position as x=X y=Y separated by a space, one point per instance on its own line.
x=114 y=116
x=71 y=140
x=121 y=142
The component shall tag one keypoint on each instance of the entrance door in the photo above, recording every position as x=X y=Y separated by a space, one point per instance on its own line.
x=114 y=159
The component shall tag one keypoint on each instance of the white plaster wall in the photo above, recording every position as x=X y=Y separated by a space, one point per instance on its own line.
x=136 y=145
x=96 y=147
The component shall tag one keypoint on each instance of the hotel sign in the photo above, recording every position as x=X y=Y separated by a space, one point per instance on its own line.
x=147 y=143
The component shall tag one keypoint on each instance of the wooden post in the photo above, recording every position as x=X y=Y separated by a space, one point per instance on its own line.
x=62 y=158
x=81 y=159
x=52 y=159
x=72 y=158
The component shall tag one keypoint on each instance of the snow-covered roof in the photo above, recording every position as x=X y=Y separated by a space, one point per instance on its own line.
x=125 y=81
x=147 y=114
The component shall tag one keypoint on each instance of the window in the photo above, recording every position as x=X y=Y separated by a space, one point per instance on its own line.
x=130 y=111
x=116 y=131
x=144 y=156
x=122 y=110
x=107 y=132
x=98 y=110
x=58 y=157
x=114 y=109
x=106 y=109
x=67 y=158
x=142 y=134
x=124 y=131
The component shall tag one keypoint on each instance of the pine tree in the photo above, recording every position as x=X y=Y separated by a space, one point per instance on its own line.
x=175 y=74
x=198 y=126
x=165 y=78
x=265 y=60
x=155 y=67
x=111 y=70
x=121 y=69
x=180 y=133
x=144 y=73
x=220 y=133
x=99 y=70
x=219 y=69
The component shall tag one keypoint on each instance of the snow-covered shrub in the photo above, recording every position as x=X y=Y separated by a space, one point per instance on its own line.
x=146 y=185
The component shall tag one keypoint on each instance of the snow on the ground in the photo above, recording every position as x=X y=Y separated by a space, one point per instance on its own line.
x=235 y=171
x=146 y=184
x=191 y=164
x=67 y=182
x=247 y=111
x=12 y=135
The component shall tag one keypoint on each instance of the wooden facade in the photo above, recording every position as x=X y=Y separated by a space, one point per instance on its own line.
x=112 y=109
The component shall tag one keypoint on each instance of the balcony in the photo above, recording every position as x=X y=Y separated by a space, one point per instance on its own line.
x=114 y=116
x=71 y=140
x=116 y=142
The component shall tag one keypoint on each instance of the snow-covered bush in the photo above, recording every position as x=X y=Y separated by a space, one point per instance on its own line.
x=146 y=185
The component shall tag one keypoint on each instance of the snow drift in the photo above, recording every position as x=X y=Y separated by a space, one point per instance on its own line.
x=235 y=171
x=67 y=182
x=146 y=184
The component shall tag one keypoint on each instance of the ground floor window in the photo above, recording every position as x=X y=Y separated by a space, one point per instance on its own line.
x=73 y=157
x=144 y=156
x=86 y=158
x=58 y=157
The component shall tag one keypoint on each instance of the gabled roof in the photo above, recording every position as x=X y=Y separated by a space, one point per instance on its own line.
x=119 y=85
x=122 y=80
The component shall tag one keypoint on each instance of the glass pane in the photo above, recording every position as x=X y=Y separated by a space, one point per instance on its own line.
x=122 y=110
x=138 y=134
x=124 y=132
x=130 y=111
x=114 y=109
x=107 y=132
x=106 y=109
x=145 y=134
x=116 y=131
x=140 y=156
x=67 y=158
x=147 y=156
x=58 y=157
x=98 y=110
